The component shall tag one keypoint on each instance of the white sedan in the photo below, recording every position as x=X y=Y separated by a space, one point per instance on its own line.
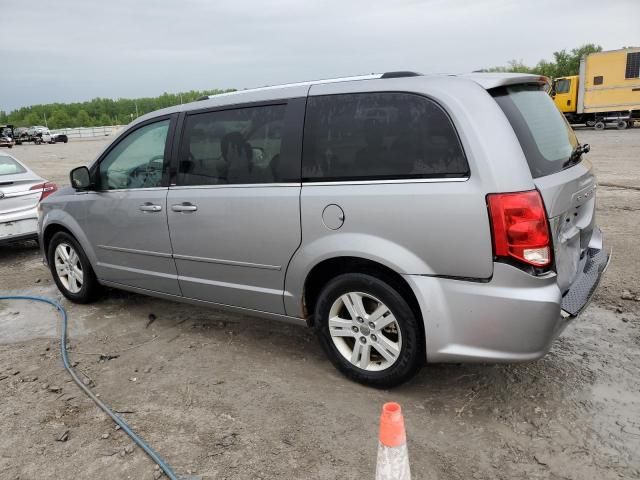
x=20 y=192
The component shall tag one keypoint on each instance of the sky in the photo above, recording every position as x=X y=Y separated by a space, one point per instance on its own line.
x=75 y=50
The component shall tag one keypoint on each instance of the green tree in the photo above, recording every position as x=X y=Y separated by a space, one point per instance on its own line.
x=60 y=119
x=99 y=111
x=104 y=120
x=83 y=119
x=568 y=63
x=32 y=119
x=563 y=64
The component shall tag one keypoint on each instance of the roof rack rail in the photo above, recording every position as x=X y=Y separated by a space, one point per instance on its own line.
x=400 y=74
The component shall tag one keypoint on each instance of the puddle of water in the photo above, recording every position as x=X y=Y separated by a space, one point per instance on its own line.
x=22 y=320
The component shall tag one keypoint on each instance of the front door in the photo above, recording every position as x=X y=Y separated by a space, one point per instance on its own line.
x=234 y=214
x=566 y=93
x=125 y=219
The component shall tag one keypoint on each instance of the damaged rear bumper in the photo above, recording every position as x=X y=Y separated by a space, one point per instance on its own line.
x=590 y=270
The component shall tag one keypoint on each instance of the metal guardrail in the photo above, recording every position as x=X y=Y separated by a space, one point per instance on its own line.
x=89 y=132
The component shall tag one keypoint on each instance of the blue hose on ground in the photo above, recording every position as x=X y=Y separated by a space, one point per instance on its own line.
x=65 y=360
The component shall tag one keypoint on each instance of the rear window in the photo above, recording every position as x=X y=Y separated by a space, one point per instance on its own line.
x=544 y=134
x=379 y=136
x=8 y=166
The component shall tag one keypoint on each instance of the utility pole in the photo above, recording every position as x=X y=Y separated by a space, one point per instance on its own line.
x=45 y=120
x=180 y=99
x=136 y=109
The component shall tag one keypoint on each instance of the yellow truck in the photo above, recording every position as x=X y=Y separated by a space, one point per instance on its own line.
x=607 y=90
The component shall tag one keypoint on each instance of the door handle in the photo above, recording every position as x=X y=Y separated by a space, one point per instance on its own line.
x=184 y=207
x=150 y=207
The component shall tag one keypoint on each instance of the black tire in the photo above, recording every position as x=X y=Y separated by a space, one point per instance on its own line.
x=621 y=125
x=599 y=126
x=90 y=287
x=411 y=355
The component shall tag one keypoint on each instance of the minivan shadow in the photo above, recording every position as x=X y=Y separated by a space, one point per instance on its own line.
x=435 y=385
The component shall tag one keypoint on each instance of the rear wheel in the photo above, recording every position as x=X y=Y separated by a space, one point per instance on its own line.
x=599 y=126
x=368 y=330
x=621 y=125
x=71 y=269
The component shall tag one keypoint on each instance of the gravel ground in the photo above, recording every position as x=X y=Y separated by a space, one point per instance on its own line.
x=227 y=396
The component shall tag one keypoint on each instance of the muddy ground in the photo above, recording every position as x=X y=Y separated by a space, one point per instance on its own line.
x=227 y=396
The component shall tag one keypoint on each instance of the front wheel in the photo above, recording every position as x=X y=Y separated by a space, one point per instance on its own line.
x=71 y=269
x=368 y=330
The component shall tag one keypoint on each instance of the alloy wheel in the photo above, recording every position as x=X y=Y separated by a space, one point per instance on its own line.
x=68 y=267
x=365 y=331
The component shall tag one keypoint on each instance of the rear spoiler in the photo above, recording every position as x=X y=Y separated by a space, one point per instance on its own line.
x=494 y=80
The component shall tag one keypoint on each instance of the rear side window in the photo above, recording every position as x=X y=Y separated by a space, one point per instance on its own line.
x=240 y=146
x=8 y=166
x=546 y=138
x=375 y=136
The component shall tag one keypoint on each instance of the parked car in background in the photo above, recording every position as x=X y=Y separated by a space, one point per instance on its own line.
x=39 y=134
x=407 y=218
x=6 y=136
x=59 y=137
x=21 y=190
x=21 y=135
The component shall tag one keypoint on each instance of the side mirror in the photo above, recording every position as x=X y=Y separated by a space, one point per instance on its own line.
x=553 y=93
x=80 y=178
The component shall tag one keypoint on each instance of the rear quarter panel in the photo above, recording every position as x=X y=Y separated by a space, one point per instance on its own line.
x=423 y=228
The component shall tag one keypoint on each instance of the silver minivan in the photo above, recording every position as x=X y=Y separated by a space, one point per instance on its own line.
x=406 y=218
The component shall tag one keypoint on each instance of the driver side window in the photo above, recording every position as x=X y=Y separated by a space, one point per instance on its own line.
x=137 y=161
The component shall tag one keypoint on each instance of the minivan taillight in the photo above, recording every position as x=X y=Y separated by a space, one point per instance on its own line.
x=47 y=189
x=520 y=227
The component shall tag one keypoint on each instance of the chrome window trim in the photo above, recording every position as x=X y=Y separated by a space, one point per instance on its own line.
x=235 y=185
x=116 y=190
x=382 y=182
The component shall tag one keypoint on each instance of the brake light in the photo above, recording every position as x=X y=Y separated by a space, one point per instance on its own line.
x=47 y=189
x=520 y=228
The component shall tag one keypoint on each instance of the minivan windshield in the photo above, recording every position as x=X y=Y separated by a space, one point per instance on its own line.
x=547 y=140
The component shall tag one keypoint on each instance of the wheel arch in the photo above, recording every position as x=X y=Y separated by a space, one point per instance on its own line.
x=58 y=221
x=330 y=268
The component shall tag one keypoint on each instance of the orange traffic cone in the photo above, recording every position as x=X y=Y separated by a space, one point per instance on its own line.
x=393 y=458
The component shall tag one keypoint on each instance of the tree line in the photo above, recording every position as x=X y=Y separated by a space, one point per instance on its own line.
x=97 y=112
x=564 y=63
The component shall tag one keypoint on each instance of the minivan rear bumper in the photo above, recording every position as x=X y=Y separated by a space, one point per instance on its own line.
x=513 y=317
x=591 y=268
